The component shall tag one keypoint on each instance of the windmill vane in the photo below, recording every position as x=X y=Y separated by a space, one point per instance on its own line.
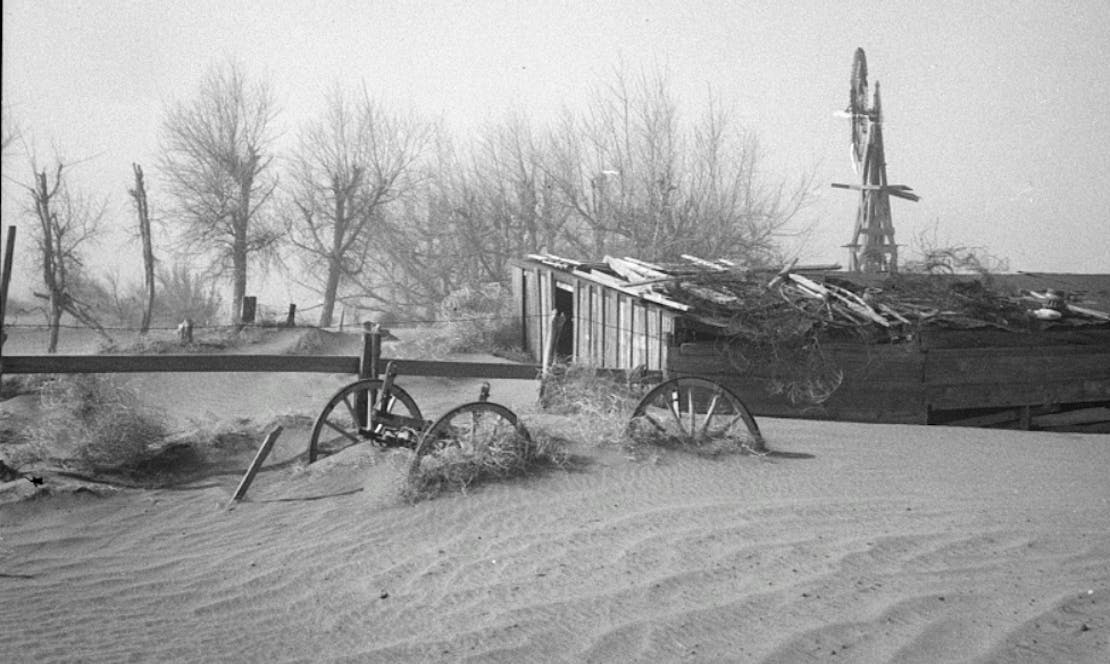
x=872 y=248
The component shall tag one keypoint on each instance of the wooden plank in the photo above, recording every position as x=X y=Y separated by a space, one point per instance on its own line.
x=192 y=363
x=546 y=305
x=582 y=327
x=1056 y=336
x=864 y=402
x=893 y=368
x=256 y=464
x=1073 y=417
x=62 y=364
x=1017 y=365
x=998 y=395
x=611 y=321
x=597 y=353
x=624 y=333
x=654 y=334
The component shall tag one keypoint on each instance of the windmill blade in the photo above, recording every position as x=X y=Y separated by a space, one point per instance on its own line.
x=857 y=105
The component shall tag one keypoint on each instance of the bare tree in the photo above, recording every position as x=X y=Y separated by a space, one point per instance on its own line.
x=66 y=222
x=142 y=209
x=216 y=161
x=641 y=180
x=9 y=130
x=350 y=165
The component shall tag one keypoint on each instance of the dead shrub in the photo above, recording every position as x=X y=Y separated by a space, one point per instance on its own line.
x=642 y=436
x=94 y=423
x=511 y=454
x=601 y=401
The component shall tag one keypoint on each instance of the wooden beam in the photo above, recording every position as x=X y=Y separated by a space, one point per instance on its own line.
x=193 y=363
x=256 y=465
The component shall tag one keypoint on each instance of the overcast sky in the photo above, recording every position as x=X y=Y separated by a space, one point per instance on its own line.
x=997 y=112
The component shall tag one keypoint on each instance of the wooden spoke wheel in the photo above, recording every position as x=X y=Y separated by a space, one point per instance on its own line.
x=694 y=412
x=358 y=413
x=480 y=431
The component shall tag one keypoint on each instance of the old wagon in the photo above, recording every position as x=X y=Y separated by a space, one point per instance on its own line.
x=877 y=348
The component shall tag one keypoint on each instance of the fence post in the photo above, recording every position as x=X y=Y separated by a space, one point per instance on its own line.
x=555 y=325
x=5 y=281
x=368 y=367
x=256 y=464
x=291 y=317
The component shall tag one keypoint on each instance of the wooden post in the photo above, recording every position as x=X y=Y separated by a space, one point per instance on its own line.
x=5 y=281
x=554 y=326
x=368 y=367
x=291 y=317
x=256 y=464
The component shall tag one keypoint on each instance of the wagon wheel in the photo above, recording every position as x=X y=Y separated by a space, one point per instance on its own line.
x=481 y=431
x=693 y=412
x=396 y=421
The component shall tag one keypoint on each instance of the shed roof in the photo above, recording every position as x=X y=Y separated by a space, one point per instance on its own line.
x=720 y=293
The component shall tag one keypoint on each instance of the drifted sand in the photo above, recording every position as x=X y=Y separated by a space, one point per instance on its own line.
x=890 y=544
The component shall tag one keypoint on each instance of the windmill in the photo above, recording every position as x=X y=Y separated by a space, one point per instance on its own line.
x=872 y=248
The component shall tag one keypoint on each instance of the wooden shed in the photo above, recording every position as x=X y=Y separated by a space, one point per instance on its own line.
x=1046 y=375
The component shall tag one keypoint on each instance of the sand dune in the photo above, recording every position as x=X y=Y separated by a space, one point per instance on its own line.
x=891 y=544
x=872 y=544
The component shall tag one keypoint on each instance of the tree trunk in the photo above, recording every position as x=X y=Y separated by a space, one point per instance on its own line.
x=55 y=317
x=139 y=194
x=331 y=288
x=238 y=280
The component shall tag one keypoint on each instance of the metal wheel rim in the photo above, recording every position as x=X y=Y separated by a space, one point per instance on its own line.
x=345 y=426
x=695 y=410
x=469 y=427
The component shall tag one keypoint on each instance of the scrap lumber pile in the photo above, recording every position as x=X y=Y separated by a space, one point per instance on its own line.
x=765 y=305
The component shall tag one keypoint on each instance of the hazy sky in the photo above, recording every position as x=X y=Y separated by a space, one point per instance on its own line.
x=997 y=112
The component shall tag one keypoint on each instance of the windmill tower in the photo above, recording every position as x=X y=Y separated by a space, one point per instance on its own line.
x=872 y=248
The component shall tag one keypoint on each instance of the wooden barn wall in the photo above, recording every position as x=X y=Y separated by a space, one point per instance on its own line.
x=968 y=378
x=905 y=383
x=611 y=329
x=880 y=383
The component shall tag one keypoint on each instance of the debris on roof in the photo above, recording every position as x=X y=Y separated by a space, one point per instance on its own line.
x=798 y=299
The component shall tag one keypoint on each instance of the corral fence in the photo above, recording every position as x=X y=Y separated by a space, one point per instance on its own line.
x=368 y=364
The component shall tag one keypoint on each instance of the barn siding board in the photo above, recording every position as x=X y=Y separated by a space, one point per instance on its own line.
x=585 y=324
x=1054 y=337
x=611 y=336
x=1017 y=365
x=597 y=314
x=655 y=326
x=546 y=305
x=997 y=395
x=624 y=336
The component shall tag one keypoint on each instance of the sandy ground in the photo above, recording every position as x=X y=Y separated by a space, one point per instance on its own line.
x=889 y=544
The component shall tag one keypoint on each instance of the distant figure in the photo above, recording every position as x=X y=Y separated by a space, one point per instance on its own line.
x=185 y=331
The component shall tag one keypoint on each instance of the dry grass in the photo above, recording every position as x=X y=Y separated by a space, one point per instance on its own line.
x=93 y=423
x=512 y=454
x=600 y=402
x=643 y=439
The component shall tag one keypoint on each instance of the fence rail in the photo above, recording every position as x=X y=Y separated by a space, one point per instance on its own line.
x=197 y=363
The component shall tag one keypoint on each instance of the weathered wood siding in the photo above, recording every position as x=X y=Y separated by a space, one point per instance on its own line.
x=879 y=383
x=910 y=383
x=969 y=378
